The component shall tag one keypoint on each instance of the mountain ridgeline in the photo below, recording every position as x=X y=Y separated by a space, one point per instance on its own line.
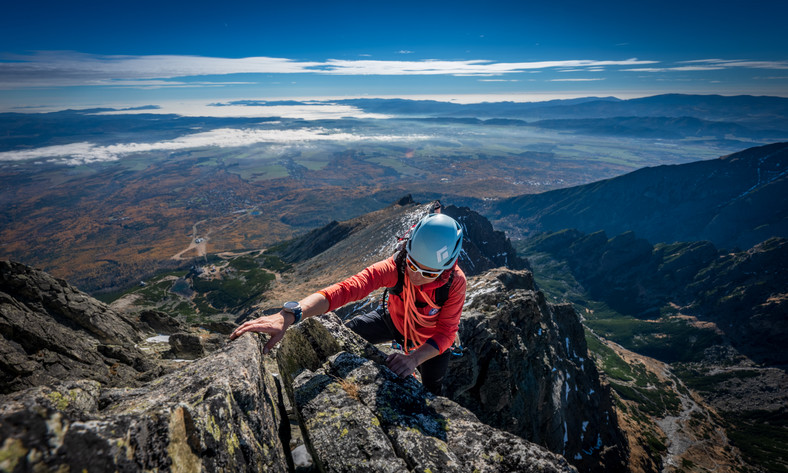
x=226 y=412
x=735 y=201
x=766 y=112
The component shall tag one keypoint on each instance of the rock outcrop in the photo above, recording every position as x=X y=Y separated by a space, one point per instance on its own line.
x=358 y=416
x=221 y=413
x=50 y=331
x=225 y=412
x=483 y=247
x=525 y=369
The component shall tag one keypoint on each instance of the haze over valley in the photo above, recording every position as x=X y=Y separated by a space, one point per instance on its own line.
x=110 y=198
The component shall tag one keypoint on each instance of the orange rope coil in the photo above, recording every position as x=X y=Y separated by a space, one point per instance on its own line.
x=413 y=316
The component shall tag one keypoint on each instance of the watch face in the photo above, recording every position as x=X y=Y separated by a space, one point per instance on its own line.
x=290 y=306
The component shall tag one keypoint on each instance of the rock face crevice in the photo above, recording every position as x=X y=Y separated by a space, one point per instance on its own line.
x=357 y=415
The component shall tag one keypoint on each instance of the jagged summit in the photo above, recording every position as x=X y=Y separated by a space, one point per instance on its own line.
x=371 y=237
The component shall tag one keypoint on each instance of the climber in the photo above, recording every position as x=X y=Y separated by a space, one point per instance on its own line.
x=425 y=329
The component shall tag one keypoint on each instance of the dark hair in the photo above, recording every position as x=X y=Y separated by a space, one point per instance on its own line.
x=399 y=259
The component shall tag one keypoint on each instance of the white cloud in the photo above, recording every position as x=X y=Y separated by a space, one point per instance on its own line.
x=85 y=153
x=65 y=68
x=576 y=80
x=306 y=111
x=473 y=67
x=674 y=69
x=162 y=84
x=715 y=65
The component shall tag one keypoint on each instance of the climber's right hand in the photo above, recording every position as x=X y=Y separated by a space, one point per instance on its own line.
x=274 y=325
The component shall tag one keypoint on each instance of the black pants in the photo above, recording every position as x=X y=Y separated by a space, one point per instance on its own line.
x=377 y=327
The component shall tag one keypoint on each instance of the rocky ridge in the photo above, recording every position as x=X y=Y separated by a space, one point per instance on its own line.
x=357 y=415
x=157 y=422
x=503 y=378
x=221 y=413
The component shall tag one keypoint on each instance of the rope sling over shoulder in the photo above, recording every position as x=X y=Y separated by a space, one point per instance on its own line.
x=436 y=241
x=407 y=292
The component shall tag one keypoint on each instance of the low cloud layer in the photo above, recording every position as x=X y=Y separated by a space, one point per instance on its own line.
x=85 y=153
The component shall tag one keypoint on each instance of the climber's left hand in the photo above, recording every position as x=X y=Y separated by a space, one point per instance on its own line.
x=403 y=365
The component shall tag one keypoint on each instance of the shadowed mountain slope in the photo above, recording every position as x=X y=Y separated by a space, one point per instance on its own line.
x=742 y=295
x=734 y=201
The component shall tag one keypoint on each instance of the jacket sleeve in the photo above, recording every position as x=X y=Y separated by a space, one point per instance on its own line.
x=380 y=274
x=449 y=320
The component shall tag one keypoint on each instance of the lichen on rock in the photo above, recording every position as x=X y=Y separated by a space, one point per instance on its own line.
x=390 y=424
x=220 y=413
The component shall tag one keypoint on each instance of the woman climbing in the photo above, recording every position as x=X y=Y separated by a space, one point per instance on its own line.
x=425 y=298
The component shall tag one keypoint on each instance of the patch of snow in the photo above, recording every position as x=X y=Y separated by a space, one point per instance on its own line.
x=158 y=339
x=301 y=457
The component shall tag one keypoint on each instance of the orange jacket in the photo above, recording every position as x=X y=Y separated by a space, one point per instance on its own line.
x=384 y=274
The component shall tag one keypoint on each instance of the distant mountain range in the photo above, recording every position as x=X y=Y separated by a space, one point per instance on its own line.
x=734 y=201
x=661 y=116
x=766 y=113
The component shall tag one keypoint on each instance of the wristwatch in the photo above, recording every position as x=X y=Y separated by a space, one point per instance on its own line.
x=294 y=308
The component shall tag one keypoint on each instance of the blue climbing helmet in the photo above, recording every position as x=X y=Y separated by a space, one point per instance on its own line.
x=435 y=242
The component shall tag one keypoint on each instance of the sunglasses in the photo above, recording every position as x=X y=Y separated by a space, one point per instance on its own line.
x=423 y=272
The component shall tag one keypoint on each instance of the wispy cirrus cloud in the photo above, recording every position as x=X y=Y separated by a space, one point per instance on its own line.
x=578 y=79
x=469 y=68
x=64 y=68
x=68 y=68
x=714 y=65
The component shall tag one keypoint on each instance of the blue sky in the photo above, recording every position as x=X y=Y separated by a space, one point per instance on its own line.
x=86 y=53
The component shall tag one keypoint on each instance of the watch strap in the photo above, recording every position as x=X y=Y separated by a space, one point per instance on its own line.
x=297 y=313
